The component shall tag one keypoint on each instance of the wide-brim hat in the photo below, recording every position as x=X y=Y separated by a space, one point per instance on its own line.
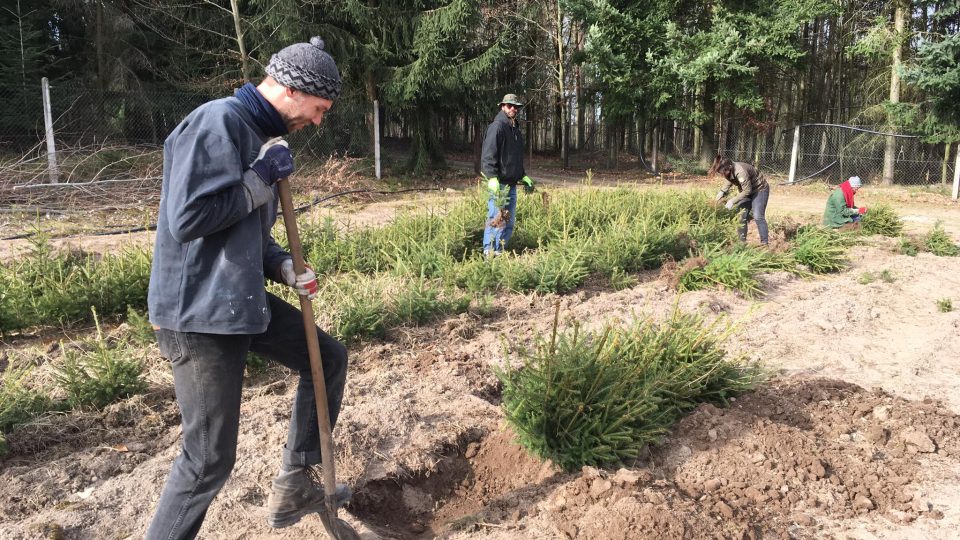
x=512 y=99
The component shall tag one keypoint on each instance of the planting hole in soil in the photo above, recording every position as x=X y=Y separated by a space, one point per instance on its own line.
x=481 y=476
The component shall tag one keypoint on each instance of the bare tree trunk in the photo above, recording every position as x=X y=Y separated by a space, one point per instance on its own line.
x=656 y=146
x=697 y=133
x=642 y=136
x=98 y=42
x=708 y=145
x=612 y=147
x=830 y=70
x=899 y=25
x=531 y=132
x=581 y=116
x=946 y=160
x=563 y=120
x=244 y=61
x=697 y=140
x=477 y=145
x=756 y=139
x=839 y=80
x=23 y=60
x=370 y=85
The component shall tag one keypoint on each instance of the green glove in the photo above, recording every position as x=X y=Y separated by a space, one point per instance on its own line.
x=493 y=184
x=527 y=184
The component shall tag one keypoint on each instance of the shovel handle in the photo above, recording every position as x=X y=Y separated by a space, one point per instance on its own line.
x=313 y=347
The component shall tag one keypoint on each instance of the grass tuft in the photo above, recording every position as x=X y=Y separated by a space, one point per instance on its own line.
x=19 y=403
x=820 y=250
x=734 y=270
x=140 y=330
x=48 y=287
x=620 y=280
x=101 y=375
x=883 y=220
x=909 y=247
x=598 y=398
x=938 y=242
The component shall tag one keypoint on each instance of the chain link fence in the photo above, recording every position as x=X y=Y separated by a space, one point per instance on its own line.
x=107 y=140
x=89 y=118
x=826 y=152
x=835 y=152
x=104 y=135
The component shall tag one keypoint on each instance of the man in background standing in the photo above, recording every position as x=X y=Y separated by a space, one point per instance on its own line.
x=501 y=163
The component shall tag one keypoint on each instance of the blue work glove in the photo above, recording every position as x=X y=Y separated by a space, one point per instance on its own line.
x=274 y=162
x=493 y=185
x=527 y=184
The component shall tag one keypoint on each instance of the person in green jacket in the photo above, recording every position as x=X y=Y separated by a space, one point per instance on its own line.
x=841 y=212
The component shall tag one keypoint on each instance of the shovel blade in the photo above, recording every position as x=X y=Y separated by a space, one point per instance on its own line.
x=337 y=529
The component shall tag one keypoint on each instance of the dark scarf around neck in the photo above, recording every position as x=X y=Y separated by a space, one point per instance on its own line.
x=264 y=114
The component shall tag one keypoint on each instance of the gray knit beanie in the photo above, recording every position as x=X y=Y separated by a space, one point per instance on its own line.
x=308 y=68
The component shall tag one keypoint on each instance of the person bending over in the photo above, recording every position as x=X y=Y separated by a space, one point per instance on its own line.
x=751 y=199
x=841 y=212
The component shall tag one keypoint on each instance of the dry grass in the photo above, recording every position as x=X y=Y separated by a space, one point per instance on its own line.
x=101 y=177
x=672 y=272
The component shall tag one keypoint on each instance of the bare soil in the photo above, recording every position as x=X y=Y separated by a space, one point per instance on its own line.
x=855 y=435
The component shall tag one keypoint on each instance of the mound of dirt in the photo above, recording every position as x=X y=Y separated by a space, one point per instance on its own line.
x=771 y=465
x=811 y=455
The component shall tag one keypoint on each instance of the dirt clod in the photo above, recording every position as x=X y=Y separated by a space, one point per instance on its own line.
x=918 y=441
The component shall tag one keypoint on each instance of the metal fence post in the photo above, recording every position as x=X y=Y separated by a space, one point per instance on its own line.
x=376 y=137
x=48 y=124
x=794 y=155
x=656 y=146
x=956 y=175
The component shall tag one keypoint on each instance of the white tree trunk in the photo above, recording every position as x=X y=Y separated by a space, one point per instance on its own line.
x=244 y=61
x=899 y=24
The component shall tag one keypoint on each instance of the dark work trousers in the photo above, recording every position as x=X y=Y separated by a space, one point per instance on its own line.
x=754 y=208
x=208 y=378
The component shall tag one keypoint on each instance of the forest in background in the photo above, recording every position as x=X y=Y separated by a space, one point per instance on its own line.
x=615 y=77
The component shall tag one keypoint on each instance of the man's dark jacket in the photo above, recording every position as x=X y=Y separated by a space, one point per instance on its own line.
x=213 y=247
x=502 y=155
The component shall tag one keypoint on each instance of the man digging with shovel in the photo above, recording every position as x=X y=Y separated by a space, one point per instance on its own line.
x=207 y=299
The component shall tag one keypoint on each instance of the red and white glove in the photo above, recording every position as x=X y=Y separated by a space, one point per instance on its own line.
x=305 y=284
x=862 y=210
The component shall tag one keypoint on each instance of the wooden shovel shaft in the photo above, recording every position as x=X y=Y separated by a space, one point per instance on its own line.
x=313 y=346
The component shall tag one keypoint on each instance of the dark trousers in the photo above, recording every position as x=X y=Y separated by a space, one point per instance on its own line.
x=208 y=379
x=754 y=208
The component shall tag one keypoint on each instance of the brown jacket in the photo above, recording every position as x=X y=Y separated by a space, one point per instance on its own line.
x=747 y=179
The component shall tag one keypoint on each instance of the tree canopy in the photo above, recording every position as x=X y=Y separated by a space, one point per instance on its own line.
x=763 y=63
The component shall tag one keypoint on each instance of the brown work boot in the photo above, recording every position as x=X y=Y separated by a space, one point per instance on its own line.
x=298 y=493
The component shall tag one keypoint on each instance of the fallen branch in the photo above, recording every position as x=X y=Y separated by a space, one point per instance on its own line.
x=90 y=183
